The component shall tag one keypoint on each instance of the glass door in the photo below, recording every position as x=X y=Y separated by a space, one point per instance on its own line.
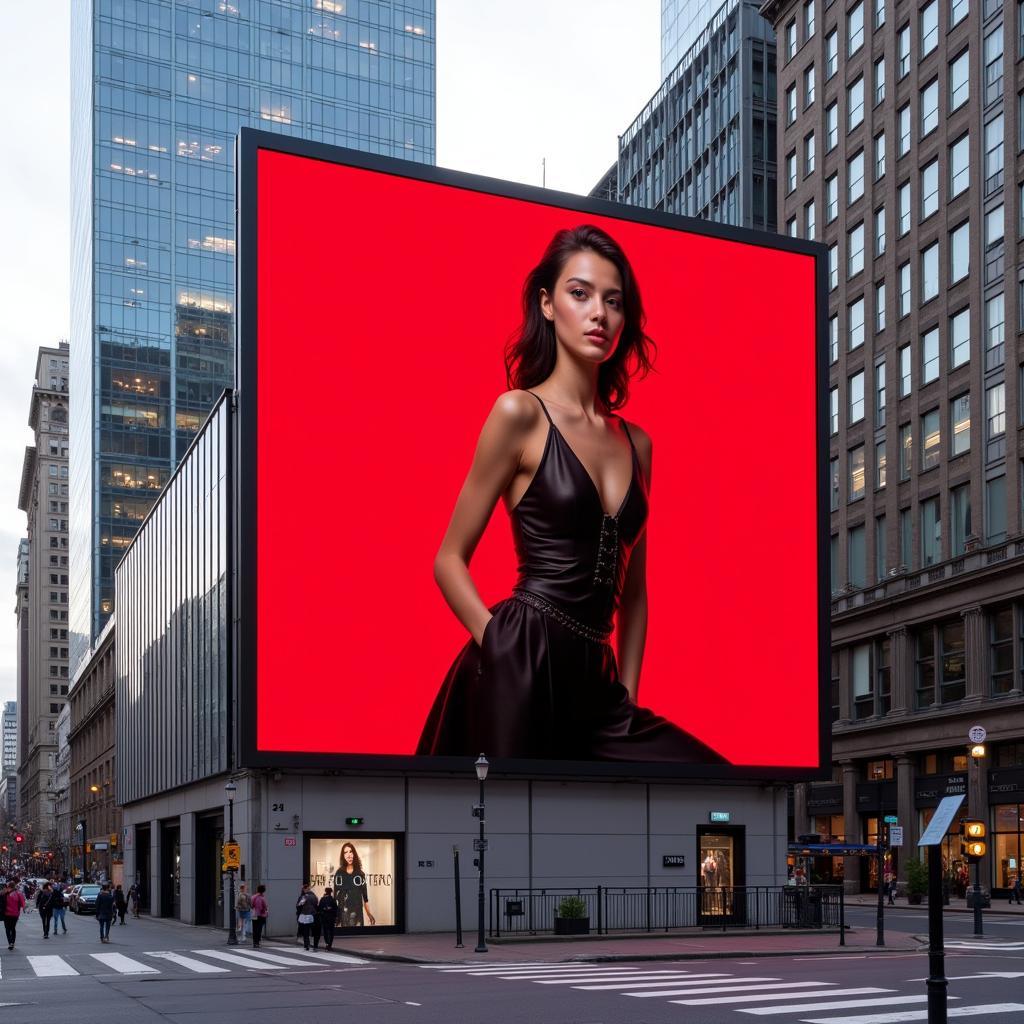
x=721 y=892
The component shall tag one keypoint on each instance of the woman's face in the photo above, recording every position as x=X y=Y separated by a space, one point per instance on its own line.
x=349 y=854
x=586 y=306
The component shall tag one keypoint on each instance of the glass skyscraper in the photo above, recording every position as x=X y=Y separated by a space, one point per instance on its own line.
x=682 y=21
x=159 y=89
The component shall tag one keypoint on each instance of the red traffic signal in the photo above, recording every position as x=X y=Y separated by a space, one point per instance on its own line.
x=18 y=837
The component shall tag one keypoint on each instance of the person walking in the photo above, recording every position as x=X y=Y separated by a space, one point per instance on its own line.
x=14 y=904
x=243 y=908
x=305 y=912
x=260 y=910
x=59 y=903
x=44 y=904
x=105 y=911
x=328 y=907
x=1016 y=890
x=120 y=903
x=134 y=896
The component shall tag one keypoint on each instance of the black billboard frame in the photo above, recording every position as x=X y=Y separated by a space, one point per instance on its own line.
x=248 y=144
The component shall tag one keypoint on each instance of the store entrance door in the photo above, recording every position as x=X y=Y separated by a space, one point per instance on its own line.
x=170 y=869
x=721 y=874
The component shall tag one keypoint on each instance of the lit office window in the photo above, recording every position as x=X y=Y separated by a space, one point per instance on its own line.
x=855 y=464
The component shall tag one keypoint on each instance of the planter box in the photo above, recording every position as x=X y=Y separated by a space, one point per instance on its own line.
x=572 y=925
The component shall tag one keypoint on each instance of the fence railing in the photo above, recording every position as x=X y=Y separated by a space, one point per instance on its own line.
x=667 y=908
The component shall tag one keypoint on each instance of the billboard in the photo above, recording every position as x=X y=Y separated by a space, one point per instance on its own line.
x=641 y=589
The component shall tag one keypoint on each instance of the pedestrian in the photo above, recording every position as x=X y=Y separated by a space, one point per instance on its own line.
x=890 y=887
x=260 y=910
x=328 y=908
x=305 y=912
x=243 y=907
x=44 y=904
x=105 y=911
x=120 y=903
x=59 y=903
x=1016 y=891
x=134 y=896
x=14 y=903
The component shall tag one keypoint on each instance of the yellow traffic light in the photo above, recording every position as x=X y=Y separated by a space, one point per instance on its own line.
x=972 y=839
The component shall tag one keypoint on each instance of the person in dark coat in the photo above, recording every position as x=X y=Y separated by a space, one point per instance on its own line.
x=59 y=905
x=44 y=904
x=305 y=912
x=105 y=911
x=328 y=908
x=120 y=903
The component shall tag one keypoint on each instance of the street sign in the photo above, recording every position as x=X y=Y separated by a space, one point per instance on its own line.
x=941 y=820
x=480 y=845
x=891 y=819
x=977 y=734
x=673 y=860
x=896 y=835
x=232 y=856
x=719 y=817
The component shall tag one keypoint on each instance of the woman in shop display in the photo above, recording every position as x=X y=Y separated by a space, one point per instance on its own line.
x=538 y=677
x=350 y=890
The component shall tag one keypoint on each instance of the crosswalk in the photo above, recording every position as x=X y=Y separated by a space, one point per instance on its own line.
x=1003 y=946
x=14 y=966
x=761 y=996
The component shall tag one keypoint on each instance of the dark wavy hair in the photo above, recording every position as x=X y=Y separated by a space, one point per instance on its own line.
x=357 y=864
x=531 y=351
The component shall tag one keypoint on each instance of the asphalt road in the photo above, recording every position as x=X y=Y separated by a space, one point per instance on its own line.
x=155 y=971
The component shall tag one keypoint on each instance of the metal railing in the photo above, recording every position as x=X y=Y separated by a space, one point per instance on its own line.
x=668 y=908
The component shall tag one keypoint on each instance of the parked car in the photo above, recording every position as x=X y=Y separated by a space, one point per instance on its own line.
x=85 y=899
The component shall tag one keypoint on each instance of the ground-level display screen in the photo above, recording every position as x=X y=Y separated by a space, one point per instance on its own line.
x=363 y=877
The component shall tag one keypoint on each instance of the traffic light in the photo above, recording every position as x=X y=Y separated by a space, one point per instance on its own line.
x=972 y=839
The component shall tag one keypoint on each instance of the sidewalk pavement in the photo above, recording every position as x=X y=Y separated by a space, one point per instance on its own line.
x=956 y=906
x=439 y=947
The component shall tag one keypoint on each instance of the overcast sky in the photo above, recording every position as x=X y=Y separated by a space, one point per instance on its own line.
x=516 y=83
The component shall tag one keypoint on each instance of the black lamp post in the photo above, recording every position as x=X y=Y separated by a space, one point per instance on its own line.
x=481 y=847
x=230 y=789
x=82 y=828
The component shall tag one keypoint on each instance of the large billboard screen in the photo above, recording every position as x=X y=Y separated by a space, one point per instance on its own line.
x=633 y=589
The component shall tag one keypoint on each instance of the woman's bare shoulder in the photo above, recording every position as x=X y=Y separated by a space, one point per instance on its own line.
x=515 y=410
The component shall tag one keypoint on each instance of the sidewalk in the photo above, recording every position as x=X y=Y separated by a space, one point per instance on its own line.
x=956 y=906
x=439 y=947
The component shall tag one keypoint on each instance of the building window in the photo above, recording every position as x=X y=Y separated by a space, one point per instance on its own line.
x=791 y=40
x=833 y=267
x=930 y=274
x=995 y=328
x=879 y=465
x=855 y=103
x=831 y=53
x=809 y=86
x=809 y=220
x=855 y=250
x=833 y=471
x=904 y=371
x=930 y=107
x=880 y=231
x=960 y=424
x=855 y=177
x=906 y=451
x=879 y=76
x=833 y=338
x=952 y=673
x=860 y=677
x=960 y=338
x=903 y=131
x=831 y=198
x=995 y=410
x=879 y=156
x=959 y=518
x=856 y=396
x=903 y=52
x=993 y=54
x=931 y=532
x=833 y=397
x=930 y=356
x=791 y=104
x=855 y=557
x=880 y=392
x=904 y=276
x=831 y=127
x=993 y=154
x=929 y=189
x=854 y=29
x=808 y=19
x=957 y=11
x=925 y=675
x=880 y=320
x=995 y=510
x=791 y=172
x=855 y=323
x=929 y=27
x=959 y=166
x=994 y=261
x=879 y=548
x=906 y=539
x=959 y=81
x=791 y=227
x=1001 y=633
x=883 y=683
x=809 y=154
x=856 y=481
x=959 y=253
x=903 y=209
x=930 y=438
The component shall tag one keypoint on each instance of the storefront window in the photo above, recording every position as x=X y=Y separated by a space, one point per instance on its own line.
x=716 y=873
x=832 y=829
x=1007 y=845
x=361 y=872
x=890 y=864
x=881 y=769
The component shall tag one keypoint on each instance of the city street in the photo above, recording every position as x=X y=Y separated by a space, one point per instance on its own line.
x=156 y=970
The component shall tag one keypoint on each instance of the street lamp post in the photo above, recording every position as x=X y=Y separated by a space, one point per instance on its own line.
x=230 y=789
x=481 y=846
x=80 y=827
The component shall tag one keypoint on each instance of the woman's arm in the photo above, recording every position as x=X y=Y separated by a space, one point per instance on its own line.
x=632 y=618
x=498 y=454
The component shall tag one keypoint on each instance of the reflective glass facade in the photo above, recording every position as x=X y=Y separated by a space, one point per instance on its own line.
x=159 y=90
x=681 y=22
x=173 y=620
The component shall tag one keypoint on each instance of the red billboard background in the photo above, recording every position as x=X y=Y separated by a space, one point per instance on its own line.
x=383 y=304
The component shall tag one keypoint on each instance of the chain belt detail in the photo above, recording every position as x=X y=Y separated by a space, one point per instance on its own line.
x=599 y=636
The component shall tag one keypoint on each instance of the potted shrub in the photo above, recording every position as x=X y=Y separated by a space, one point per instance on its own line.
x=571 y=916
x=917 y=880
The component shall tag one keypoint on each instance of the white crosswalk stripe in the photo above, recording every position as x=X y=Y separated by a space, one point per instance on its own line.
x=842 y=1004
x=1003 y=947
x=240 y=959
x=51 y=967
x=123 y=964
x=899 y=1018
x=190 y=963
x=630 y=980
x=766 y=996
x=271 y=958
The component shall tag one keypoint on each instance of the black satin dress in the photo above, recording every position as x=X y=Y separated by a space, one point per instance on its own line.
x=544 y=682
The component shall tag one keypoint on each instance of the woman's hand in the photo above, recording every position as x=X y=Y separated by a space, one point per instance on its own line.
x=373 y=920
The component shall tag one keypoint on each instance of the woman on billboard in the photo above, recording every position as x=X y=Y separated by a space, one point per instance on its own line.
x=538 y=677
x=350 y=890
